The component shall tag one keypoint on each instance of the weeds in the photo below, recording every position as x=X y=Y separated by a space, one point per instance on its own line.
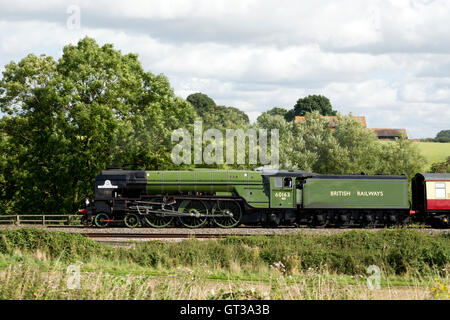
x=396 y=252
x=440 y=291
x=33 y=266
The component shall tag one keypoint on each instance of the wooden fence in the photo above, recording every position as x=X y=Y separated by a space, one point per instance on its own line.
x=38 y=219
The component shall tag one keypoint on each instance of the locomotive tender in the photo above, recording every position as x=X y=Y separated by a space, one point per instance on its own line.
x=227 y=198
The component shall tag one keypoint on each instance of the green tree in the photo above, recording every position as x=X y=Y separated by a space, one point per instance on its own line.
x=273 y=112
x=319 y=142
x=309 y=104
x=276 y=112
x=312 y=146
x=215 y=116
x=231 y=117
x=443 y=136
x=69 y=119
x=8 y=176
x=400 y=157
x=361 y=145
x=441 y=167
x=293 y=153
x=201 y=102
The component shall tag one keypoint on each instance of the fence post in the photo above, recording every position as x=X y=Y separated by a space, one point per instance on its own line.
x=43 y=220
x=18 y=220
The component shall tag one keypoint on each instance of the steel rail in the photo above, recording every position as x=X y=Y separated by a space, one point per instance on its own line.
x=160 y=235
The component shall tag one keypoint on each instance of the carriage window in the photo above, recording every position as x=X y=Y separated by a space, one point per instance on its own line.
x=278 y=182
x=440 y=190
x=287 y=183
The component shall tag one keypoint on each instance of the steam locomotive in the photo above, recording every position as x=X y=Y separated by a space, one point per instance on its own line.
x=227 y=198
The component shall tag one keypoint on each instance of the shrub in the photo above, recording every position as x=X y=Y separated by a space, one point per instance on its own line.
x=394 y=251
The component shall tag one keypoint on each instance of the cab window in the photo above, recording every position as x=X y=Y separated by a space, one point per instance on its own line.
x=287 y=182
x=278 y=182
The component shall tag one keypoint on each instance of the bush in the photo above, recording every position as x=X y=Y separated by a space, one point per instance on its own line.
x=65 y=246
x=399 y=251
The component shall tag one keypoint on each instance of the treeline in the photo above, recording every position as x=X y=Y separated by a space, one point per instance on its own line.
x=442 y=136
x=67 y=119
x=349 y=148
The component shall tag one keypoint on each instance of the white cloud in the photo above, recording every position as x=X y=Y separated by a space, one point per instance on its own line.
x=389 y=60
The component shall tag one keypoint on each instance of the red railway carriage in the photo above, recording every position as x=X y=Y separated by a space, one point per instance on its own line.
x=431 y=197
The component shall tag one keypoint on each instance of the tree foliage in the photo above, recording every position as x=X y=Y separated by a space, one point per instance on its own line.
x=274 y=112
x=443 y=136
x=441 y=167
x=219 y=117
x=201 y=102
x=215 y=116
x=312 y=146
x=310 y=104
x=70 y=118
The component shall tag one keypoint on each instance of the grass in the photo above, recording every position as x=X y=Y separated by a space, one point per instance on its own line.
x=434 y=152
x=33 y=265
x=26 y=282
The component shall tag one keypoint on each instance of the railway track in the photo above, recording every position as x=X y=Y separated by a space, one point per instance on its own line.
x=210 y=234
x=159 y=235
x=143 y=234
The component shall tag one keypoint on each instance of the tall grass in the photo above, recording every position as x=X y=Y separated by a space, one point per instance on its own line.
x=25 y=282
x=396 y=252
x=33 y=265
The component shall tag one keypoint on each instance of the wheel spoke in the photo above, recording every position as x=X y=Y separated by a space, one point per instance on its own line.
x=131 y=220
x=100 y=220
x=156 y=220
x=230 y=208
x=194 y=207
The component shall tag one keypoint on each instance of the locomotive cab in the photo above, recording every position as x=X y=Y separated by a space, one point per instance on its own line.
x=299 y=191
x=286 y=187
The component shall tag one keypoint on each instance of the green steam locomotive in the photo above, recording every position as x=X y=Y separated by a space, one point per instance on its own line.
x=228 y=198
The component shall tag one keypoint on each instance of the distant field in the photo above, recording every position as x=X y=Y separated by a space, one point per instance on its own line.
x=434 y=151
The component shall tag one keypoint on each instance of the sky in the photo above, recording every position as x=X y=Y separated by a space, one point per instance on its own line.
x=386 y=60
